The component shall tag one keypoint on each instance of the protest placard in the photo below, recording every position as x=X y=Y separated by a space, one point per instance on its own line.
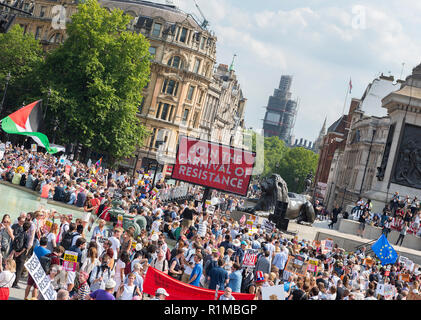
x=47 y=226
x=210 y=209
x=42 y=281
x=389 y=291
x=326 y=246
x=368 y=262
x=297 y=265
x=404 y=277
x=268 y=226
x=34 y=147
x=273 y=292
x=70 y=260
x=250 y=258
x=313 y=264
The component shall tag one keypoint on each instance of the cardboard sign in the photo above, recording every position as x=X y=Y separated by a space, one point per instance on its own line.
x=317 y=243
x=268 y=225
x=34 y=147
x=368 y=262
x=380 y=289
x=327 y=246
x=404 y=277
x=313 y=264
x=47 y=226
x=211 y=209
x=250 y=258
x=42 y=281
x=389 y=291
x=296 y=264
x=70 y=261
x=273 y=292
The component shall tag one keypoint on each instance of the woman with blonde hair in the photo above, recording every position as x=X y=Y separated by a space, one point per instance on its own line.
x=6 y=236
x=7 y=276
x=52 y=237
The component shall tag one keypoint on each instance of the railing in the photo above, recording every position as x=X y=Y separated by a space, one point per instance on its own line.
x=367 y=245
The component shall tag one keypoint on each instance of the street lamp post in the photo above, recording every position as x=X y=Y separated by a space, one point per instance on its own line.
x=8 y=76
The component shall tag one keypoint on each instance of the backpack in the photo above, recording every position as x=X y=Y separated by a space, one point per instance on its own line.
x=67 y=240
x=4 y=242
x=67 y=196
x=45 y=262
x=19 y=241
x=22 y=180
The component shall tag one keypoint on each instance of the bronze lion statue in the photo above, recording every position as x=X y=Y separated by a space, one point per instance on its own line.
x=282 y=205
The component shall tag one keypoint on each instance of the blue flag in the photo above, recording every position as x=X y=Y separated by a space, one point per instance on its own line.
x=384 y=251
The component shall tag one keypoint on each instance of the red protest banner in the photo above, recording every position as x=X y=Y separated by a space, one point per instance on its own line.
x=178 y=290
x=213 y=165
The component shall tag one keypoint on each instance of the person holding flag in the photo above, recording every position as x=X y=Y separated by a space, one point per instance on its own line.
x=384 y=251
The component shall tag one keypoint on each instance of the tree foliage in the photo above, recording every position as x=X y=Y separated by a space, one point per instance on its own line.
x=292 y=164
x=294 y=167
x=96 y=78
x=20 y=54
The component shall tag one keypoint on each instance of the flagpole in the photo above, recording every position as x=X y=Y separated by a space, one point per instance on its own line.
x=346 y=98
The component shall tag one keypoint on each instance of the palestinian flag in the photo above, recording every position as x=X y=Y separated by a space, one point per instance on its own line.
x=28 y=121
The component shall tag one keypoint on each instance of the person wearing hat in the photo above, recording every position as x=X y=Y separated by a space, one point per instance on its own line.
x=106 y=294
x=239 y=255
x=83 y=289
x=160 y=294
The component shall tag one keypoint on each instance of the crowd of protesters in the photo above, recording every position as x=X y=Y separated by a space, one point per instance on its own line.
x=199 y=247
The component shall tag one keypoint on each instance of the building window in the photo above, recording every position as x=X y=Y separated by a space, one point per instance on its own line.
x=156 y=31
x=26 y=6
x=175 y=62
x=195 y=119
x=183 y=35
x=38 y=32
x=152 y=138
x=165 y=109
x=185 y=115
x=170 y=87
x=140 y=107
x=158 y=111
x=196 y=66
x=200 y=97
x=202 y=43
x=152 y=51
x=190 y=93
x=42 y=12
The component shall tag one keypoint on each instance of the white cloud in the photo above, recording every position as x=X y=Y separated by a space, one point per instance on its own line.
x=318 y=43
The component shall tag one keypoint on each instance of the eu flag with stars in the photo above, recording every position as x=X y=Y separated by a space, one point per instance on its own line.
x=384 y=251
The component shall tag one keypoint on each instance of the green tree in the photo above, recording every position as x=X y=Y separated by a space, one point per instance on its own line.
x=96 y=77
x=275 y=150
x=20 y=54
x=294 y=167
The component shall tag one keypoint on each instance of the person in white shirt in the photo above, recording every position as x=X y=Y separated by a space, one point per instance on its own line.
x=115 y=241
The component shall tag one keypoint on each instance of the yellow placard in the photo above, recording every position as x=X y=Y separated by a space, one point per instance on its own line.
x=70 y=256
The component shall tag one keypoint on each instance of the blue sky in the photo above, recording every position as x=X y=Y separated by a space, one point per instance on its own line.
x=322 y=43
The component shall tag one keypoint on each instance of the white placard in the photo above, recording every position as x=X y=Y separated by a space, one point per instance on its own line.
x=42 y=281
x=273 y=292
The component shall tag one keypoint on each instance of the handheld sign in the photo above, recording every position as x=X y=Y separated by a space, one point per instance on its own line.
x=250 y=258
x=70 y=261
x=34 y=147
x=42 y=280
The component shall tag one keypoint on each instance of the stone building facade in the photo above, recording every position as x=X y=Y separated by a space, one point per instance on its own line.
x=185 y=95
